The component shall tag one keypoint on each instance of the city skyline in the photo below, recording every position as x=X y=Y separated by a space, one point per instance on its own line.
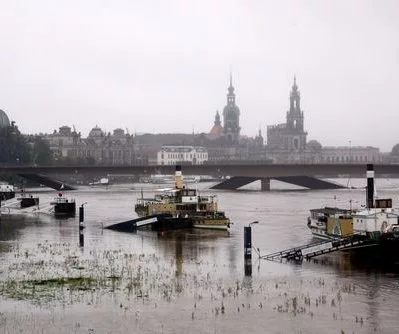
x=164 y=68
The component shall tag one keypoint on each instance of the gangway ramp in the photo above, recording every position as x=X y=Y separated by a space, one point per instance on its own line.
x=318 y=248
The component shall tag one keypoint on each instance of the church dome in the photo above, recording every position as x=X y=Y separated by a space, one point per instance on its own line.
x=216 y=131
x=4 y=121
x=314 y=146
x=217 y=128
x=96 y=132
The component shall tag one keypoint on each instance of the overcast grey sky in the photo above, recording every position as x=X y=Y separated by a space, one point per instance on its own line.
x=163 y=66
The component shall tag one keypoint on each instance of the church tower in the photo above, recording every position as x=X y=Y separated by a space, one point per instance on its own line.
x=217 y=128
x=259 y=139
x=231 y=117
x=295 y=136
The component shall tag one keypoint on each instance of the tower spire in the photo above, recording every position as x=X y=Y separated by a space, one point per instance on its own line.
x=231 y=95
x=294 y=86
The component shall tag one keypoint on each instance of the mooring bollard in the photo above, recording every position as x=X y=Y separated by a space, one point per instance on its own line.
x=248 y=249
x=247 y=242
x=81 y=225
x=81 y=216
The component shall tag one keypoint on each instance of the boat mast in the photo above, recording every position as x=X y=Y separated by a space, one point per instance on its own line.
x=370 y=186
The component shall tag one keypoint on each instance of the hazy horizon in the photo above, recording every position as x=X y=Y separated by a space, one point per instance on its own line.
x=163 y=67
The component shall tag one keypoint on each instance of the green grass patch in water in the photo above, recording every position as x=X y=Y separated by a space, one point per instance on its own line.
x=71 y=282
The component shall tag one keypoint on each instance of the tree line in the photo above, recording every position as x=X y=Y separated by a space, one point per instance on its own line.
x=16 y=148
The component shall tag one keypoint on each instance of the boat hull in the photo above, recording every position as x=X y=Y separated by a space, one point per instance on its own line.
x=27 y=202
x=211 y=226
x=210 y=223
x=384 y=252
x=4 y=196
x=65 y=209
x=205 y=220
x=154 y=223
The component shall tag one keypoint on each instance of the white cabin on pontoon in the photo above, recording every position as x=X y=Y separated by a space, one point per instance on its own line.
x=377 y=220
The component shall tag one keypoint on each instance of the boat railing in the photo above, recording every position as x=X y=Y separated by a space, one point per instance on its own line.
x=207 y=199
x=58 y=200
x=156 y=200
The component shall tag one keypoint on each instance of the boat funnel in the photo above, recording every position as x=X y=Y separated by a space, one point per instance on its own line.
x=178 y=178
x=370 y=186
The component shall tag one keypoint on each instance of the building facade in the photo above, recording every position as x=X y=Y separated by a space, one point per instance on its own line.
x=172 y=155
x=98 y=148
x=64 y=143
x=350 y=154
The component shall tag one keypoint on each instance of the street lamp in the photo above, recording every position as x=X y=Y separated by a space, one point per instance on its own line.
x=255 y=222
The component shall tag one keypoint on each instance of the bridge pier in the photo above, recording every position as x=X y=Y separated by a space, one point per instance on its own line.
x=265 y=184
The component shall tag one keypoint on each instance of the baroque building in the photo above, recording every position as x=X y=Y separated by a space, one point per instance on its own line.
x=286 y=142
x=172 y=155
x=98 y=148
x=64 y=143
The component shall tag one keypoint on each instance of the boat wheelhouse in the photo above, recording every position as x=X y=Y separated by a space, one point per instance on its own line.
x=6 y=192
x=63 y=207
x=330 y=222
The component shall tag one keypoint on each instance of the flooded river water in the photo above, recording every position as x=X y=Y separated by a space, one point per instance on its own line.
x=190 y=281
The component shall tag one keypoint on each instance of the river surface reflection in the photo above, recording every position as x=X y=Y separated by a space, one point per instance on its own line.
x=53 y=278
